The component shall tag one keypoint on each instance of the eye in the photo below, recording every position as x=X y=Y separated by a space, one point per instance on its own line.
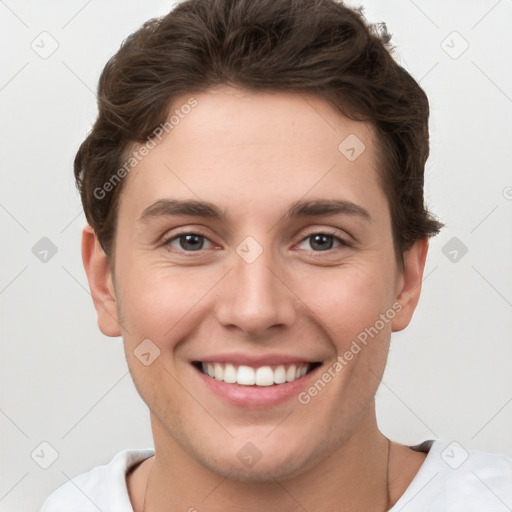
x=323 y=241
x=188 y=242
x=194 y=242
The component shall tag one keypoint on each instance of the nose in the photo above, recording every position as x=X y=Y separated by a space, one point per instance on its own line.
x=255 y=296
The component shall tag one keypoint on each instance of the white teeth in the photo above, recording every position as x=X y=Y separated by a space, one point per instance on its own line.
x=218 y=371
x=290 y=373
x=245 y=375
x=279 y=375
x=248 y=376
x=264 y=376
x=230 y=374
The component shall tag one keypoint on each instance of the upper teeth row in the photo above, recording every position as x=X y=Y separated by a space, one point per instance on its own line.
x=262 y=376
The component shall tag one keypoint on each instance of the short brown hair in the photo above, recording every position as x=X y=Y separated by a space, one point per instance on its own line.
x=316 y=46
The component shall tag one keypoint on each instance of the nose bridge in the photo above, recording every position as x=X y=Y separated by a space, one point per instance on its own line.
x=254 y=298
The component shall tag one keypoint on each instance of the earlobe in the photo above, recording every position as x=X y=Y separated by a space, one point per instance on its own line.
x=100 y=283
x=409 y=283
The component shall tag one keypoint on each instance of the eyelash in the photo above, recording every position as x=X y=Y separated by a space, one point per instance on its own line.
x=343 y=242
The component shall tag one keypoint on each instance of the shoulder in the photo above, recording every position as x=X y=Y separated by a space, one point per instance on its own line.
x=453 y=476
x=103 y=487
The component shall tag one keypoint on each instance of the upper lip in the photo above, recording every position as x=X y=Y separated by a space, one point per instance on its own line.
x=255 y=361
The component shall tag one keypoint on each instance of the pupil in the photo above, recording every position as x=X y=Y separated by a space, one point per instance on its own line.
x=194 y=242
x=321 y=239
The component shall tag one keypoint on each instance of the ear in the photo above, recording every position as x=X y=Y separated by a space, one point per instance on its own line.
x=100 y=283
x=409 y=283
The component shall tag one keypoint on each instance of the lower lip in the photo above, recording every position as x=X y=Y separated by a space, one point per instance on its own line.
x=256 y=396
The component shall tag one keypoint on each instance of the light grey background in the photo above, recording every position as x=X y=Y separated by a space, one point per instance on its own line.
x=64 y=383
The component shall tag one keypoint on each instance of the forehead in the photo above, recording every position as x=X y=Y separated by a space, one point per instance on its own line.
x=239 y=147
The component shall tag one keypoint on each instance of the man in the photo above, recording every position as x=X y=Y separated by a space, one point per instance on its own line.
x=254 y=191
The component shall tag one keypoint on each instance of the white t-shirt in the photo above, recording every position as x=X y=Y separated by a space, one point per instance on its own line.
x=450 y=479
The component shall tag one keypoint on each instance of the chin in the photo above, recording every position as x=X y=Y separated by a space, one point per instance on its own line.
x=270 y=467
x=260 y=473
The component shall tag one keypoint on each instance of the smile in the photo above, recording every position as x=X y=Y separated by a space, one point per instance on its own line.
x=268 y=375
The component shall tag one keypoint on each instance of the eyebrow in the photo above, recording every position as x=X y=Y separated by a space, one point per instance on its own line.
x=301 y=208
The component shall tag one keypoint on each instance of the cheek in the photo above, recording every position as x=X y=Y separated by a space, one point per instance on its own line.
x=158 y=302
x=348 y=300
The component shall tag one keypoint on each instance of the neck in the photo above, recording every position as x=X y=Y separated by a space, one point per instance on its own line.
x=353 y=477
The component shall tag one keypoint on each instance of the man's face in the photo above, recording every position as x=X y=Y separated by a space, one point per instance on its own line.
x=258 y=288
